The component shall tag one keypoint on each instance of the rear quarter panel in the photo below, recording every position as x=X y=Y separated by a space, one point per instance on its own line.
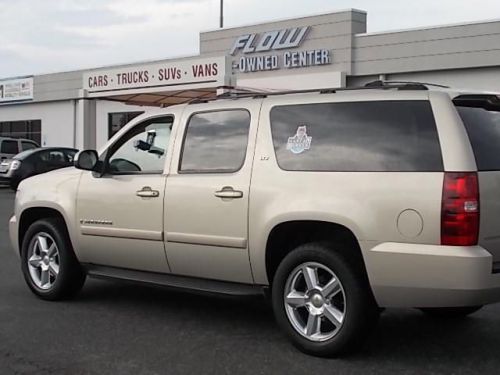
x=367 y=203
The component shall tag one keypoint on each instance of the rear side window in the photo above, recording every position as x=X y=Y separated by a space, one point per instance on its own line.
x=28 y=145
x=375 y=136
x=215 y=142
x=9 y=147
x=483 y=128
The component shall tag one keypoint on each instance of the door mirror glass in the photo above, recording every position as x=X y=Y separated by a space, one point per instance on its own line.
x=87 y=160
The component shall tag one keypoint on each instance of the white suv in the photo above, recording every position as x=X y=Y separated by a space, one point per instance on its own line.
x=341 y=202
x=10 y=147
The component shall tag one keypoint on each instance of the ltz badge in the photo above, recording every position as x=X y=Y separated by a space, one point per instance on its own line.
x=300 y=141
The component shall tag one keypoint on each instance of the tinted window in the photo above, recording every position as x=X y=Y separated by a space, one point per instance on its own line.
x=360 y=136
x=143 y=149
x=216 y=142
x=70 y=155
x=9 y=147
x=483 y=127
x=53 y=159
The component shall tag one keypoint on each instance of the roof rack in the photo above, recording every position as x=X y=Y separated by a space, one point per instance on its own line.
x=243 y=92
x=403 y=85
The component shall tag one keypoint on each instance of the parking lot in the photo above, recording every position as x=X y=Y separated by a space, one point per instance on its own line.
x=114 y=328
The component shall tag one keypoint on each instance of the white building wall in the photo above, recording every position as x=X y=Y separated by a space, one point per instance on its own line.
x=484 y=79
x=103 y=108
x=481 y=79
x=58 y=119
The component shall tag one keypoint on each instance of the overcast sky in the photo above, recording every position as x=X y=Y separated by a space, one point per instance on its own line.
x=59 y=35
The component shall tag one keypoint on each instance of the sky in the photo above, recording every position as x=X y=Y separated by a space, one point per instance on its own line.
x=45 y=36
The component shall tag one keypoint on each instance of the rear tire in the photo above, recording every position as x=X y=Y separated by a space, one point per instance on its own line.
x=450 y=312
x=48 y=263
x=321 y=316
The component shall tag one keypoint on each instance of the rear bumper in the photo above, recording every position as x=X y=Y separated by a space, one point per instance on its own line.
x=414 y=275
x=13 y=234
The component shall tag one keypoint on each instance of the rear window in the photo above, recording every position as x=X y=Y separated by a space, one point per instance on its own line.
x=9 y=147
x=483 y=128
x=375 y=136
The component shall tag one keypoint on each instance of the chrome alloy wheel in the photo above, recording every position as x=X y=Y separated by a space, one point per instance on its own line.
x=43 y=260
x=315 y=301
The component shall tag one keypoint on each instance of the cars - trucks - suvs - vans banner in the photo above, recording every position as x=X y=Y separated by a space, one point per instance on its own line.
x=178 y=74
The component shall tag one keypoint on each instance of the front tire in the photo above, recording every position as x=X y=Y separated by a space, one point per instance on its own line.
x=450 y=312
x=323 y=301
x=48 y=263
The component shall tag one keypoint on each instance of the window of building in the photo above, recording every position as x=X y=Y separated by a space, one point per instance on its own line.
x=118 y=120
x=358 y=136
x=215 y=142
x=28 y=129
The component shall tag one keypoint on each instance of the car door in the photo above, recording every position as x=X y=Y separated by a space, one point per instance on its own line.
x=207 y=193
x=120 y=213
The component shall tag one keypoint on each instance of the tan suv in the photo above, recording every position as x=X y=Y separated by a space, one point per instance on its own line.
x=342 y=202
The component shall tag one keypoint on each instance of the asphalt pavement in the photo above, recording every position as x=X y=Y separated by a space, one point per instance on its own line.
x=117 y=328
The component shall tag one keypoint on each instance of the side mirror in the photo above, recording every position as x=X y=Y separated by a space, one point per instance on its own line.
x=87 y=160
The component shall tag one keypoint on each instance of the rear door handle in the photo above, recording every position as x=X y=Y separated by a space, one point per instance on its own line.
x=147 y=192
x=227 y=192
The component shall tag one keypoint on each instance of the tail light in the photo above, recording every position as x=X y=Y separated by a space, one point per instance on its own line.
x=460 y=209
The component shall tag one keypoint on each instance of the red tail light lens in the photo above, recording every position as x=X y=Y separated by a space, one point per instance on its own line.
x=460 y=209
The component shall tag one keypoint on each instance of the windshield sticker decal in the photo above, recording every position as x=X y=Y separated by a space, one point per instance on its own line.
x=300 y=141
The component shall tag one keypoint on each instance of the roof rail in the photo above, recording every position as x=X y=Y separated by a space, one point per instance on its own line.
x=243 y=92
x=403 y=85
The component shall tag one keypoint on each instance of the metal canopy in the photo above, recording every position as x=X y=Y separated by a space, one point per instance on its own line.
x=164 y=99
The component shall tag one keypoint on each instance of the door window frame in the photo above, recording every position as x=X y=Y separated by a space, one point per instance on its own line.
x=106 y=155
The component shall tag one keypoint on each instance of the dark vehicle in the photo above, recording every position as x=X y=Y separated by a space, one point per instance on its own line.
x=32 y=162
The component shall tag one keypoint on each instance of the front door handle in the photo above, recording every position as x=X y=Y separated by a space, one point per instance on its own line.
x=147 y=192
x=227 y=192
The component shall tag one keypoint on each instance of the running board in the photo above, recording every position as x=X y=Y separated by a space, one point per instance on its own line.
x=174 y=281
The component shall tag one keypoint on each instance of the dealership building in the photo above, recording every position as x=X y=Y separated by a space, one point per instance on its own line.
x=85 y=108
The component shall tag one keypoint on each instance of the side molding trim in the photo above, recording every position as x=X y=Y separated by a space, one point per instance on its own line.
x=200 y=239
x=121 y=233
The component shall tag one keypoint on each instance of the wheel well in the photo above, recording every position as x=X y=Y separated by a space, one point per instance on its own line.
x=31 y=215
x=287 y=236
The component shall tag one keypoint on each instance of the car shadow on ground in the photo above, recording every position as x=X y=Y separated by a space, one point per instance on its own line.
x=403 y=336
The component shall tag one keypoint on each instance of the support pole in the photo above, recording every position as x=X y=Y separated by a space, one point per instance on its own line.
x=221 y=14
